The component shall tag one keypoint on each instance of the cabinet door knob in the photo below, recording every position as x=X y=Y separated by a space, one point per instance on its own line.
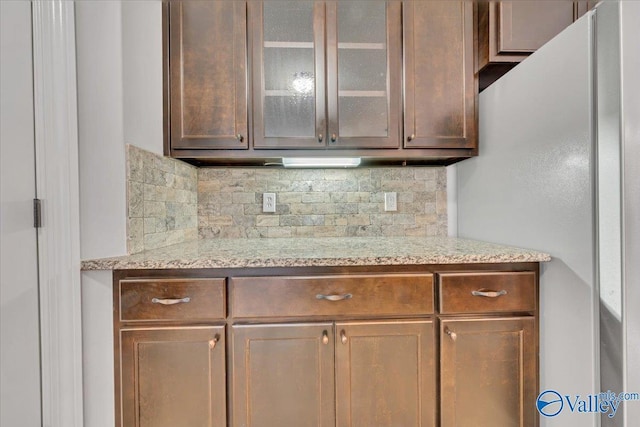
x=320 y=137
x=488 y=294
x=451 y=334
x=170 y=301
x=325 y=337
x=213 y=342
x=334 y=297
x=239 y=137
x=411 y=137
x=334 y=137
x=343 y=337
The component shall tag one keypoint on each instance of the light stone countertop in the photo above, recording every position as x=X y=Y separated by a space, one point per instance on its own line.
x=322 y=252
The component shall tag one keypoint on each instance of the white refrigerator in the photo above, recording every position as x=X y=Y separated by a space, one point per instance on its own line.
x=559 y=171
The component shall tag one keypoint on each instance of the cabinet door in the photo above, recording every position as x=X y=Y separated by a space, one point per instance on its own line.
x=364 y=65
x=385 y=374
x=524 y=26
x=440 y=86
x=208 y=74
x=173 y=377
x=488 y=372
x=283 y=375
x=288 y=74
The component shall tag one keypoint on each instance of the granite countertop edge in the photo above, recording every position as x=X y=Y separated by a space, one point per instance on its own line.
x=318 y=252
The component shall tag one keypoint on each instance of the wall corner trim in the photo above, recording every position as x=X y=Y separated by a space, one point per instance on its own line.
x=57 y=184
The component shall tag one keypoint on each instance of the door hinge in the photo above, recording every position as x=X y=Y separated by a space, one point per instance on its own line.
x=37 y=213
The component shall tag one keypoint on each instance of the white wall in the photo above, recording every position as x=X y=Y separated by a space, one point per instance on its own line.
x=119 y=65
x=19 y=329
x=532 y=187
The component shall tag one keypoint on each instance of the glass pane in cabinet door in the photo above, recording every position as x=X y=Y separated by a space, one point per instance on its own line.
x=362 y=69
x=289 y=69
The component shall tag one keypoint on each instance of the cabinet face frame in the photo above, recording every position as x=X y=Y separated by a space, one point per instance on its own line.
x=414 y=14
x=236 y=93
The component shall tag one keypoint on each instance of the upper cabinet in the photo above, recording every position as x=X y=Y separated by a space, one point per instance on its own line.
x=207 y=75
x=508 y=32
x=252 y=82
x=440 y=86
x=326 y=74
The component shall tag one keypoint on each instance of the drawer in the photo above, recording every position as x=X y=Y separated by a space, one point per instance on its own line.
x=367 y=294
x=487 y=292
x=171 y=299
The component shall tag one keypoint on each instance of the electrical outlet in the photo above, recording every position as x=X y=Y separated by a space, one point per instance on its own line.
x=390 y=202
x=268 y=202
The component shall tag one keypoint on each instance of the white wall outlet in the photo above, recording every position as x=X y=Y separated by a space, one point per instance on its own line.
x=268 y=202
x=390 y=202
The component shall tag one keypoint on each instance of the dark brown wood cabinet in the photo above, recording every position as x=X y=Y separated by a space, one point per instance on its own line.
x=416 y=346
x=283 y=375
x=172 y=377
x=326 y=74
x=488 y=372
x=385 y=373
x=508 y=32
x=248 y=83
x=207 y=51
x=440 y=108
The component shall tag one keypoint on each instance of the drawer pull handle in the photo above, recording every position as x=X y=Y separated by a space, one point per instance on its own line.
x=170 y=301
x=451 y=334
x=343 y=337
x=325 y=337
x=334 y=297
x=488 y=294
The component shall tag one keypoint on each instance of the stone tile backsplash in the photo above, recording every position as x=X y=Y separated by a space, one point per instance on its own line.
x=169 y=201
x=162 y=201
x=321 y=202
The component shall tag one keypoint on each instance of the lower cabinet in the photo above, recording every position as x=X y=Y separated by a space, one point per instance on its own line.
x=173 y=377
x=449 y=346
x=488 y=372
x=327 y=374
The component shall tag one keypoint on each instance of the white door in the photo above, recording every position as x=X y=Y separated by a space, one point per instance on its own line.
x=19 y=333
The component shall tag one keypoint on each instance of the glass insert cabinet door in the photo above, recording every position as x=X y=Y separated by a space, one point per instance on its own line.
x=288 y=73
x=326 y=74
x=363 y=73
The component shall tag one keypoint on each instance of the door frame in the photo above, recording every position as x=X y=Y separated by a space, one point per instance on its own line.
x=57 y=185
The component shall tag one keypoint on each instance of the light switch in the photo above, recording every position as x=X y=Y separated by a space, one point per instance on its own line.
x=390 y=202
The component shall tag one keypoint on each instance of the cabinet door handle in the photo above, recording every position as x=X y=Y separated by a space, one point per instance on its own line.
x=334 y=297
x=239 y=137
x=325 y=337
x=411 y=137
x=488 y=294
x=343 y=337
x=451 y=334
x=320 y=137
x=334 y=137
x=170 y=301
x=213 y=342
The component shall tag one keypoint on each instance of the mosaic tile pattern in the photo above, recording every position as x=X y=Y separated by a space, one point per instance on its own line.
x=162 y=201
x=321 y=202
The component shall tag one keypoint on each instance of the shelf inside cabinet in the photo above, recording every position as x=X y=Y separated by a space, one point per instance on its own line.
x=364 y=46
x=289 y=45
x=362 y=93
